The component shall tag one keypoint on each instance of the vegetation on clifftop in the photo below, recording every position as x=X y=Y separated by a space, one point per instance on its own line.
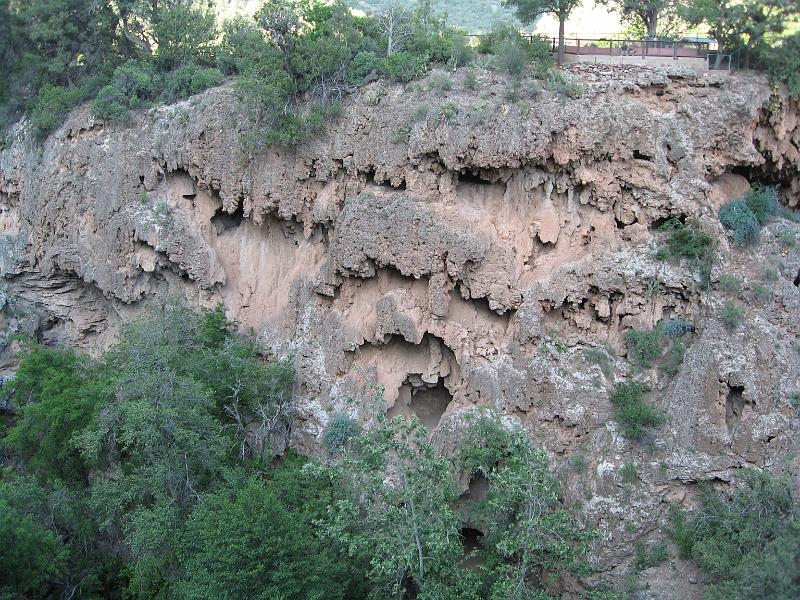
x=294 y=60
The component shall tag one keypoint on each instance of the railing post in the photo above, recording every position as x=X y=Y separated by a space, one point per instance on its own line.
x=644 y=49
x=674 y=50
x=579 y=46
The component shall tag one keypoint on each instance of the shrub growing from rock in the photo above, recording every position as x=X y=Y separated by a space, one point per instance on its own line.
x=689 y=241
x=631 y=412
x=731 y=315
x=340 y=430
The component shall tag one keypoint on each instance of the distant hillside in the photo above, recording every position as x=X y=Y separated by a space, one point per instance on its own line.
x=476 y=16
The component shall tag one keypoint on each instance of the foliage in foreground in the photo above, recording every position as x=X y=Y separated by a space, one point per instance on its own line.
x=531 y=535
x=747 y=542
x=145 y=474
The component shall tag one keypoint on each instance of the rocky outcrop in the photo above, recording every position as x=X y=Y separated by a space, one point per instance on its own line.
x=484 y=255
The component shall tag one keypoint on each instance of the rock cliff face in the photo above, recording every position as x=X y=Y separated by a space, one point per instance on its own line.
x=467 y=255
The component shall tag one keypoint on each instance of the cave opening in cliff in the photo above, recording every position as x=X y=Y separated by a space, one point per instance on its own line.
x=384 y=183
x=797 y=279
x=478 y=488
x=638 y=155
x=472 y=543
x=734 y=405
x=656 y=224
x=473 y=177
x=224 y=221
x=427 y=402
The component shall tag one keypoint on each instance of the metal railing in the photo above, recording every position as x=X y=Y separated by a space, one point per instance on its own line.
x=674 y=49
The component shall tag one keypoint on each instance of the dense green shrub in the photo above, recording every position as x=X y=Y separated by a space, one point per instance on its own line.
x=32 y=556
x=689 y=241
x=52 y=104
x=530 y=531
x=731 y=315
x=512 y=57
x=184 y=34
x=737 y=217
x=762 y=201
x=782 y=62
x=259 y=538
x=745 y=216
x=132 y=86
x=363 y=63
x=189 y=79
x=59 y=394
x=404 y=66
x=676 y=327
x=747 y=542
x=644 y=346
x=631 y=412
x=340 y=430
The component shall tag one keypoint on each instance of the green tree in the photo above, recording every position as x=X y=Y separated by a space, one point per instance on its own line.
x=58 y=394
x=740 y=24
x=257 y=538
x=531 y=534
x=32 y=556
x=748 y=541
x=399 y=512
x=528 y=11
x=653 y=17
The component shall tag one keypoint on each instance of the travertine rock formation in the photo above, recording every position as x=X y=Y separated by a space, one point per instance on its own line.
x=474 y=264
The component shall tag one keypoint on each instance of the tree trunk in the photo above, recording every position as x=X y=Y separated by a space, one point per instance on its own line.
x=718 y=60
x=561 y=51
x=652 y=26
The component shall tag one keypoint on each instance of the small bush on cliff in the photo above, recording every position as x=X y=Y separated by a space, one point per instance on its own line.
x=676 y=327
x=689 y=241
x=631 y=412
x=744 y=216
x=731 y=315
x=747 y=541
x=644 y=346
x=52 y=104
x=737 y=217
x=340 y=430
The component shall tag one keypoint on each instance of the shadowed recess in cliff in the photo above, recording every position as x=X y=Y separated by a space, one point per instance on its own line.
x=734 y=406
x=472 y=542
x=427 y=402
x=224 y=221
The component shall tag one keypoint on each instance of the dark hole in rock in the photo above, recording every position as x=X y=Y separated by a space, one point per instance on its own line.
x=478 y=488
x=370 y=179
x=224 y=221
x=797 y=279
x=425 y=401
x=472 y=542
x=658 y=223
x=734 y=405
x=641 y=156
x=472 y=177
